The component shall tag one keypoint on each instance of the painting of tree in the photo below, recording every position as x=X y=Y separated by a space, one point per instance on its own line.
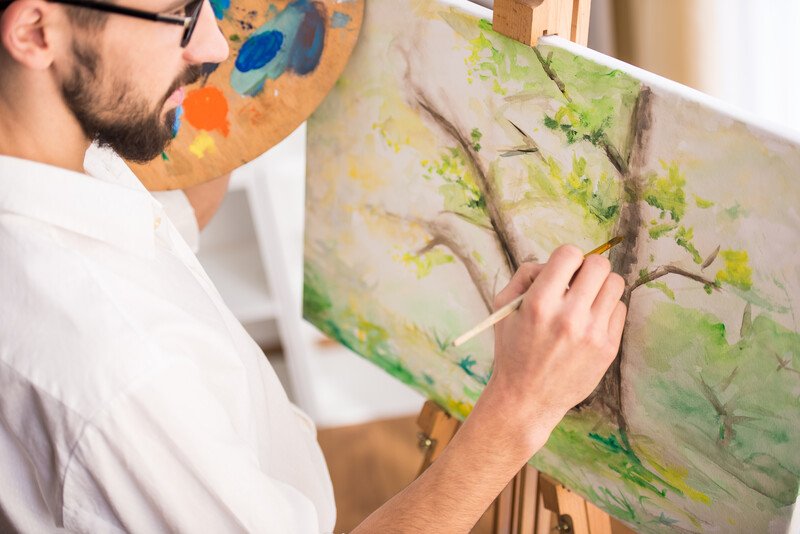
x=448 y=155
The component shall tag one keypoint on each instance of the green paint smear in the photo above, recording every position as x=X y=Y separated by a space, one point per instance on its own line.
x=597 y=198
x=459 y=190
x=664 y=288
x=745 y=378
x=352 y=331
x=684 y=239
x=666 y=192
x=476 y=136
x=702 y=203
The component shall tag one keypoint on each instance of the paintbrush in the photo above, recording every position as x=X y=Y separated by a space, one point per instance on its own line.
x=509 y=308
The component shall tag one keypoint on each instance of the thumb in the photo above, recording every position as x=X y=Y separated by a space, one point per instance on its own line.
x=518 y=284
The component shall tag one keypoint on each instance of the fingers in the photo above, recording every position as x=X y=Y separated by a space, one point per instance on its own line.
x=590 y=279
x=617 y=323
x=608 y=296
x=554 y=278
x=518 y=284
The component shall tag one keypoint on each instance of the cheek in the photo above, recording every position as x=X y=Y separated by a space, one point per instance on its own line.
x=145 y=54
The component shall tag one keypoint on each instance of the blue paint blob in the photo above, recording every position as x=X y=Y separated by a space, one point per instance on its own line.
x=302 y=26
x=208 y=68
x=309 y=42
x=220 y=7
x=339 y=19
x=176 y=124
x=259 y=50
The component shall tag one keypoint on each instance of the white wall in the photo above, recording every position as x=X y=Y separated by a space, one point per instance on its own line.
x=755 y=48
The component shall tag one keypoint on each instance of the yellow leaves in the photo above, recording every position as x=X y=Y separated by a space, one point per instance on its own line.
x=424 y=263
x=737 y=271
x=458 y=408
x=365 y=172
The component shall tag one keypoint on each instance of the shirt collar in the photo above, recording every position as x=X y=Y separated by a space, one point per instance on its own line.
x=109 y=206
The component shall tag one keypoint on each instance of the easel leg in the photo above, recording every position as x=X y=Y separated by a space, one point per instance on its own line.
x=437 y=428
x=515 y=507
x=532 y=503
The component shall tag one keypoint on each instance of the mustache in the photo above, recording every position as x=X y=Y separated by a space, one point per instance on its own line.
x=191 y=74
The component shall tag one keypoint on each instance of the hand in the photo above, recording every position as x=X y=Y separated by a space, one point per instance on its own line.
x=206 y=198
x=549 y=355
x=552 y=352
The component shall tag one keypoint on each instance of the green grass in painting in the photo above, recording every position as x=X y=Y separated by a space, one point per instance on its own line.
x=730 y=401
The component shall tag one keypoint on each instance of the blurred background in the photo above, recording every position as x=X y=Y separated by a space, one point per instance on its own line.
x=743 y=52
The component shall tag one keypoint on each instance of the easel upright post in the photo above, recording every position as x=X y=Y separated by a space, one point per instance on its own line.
x=527 y=20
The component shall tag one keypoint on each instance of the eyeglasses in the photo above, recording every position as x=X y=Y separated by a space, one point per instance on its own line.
x=191 y=11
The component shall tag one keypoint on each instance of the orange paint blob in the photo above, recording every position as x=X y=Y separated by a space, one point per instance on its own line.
x=207 y=109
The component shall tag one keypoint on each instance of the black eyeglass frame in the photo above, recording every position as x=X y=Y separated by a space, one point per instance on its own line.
x=187 y=21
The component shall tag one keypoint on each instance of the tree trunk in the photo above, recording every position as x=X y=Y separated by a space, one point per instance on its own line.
x=607 y=396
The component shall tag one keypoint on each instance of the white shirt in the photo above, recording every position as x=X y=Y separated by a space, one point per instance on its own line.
x=131 y=399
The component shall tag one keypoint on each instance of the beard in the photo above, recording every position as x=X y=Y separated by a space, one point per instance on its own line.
x=118 y=117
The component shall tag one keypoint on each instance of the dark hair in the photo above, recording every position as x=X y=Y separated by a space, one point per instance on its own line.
x=83 y=18
x=88 y=19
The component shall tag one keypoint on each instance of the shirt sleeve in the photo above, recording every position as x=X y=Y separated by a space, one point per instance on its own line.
x=167 y=457
x=181 y=214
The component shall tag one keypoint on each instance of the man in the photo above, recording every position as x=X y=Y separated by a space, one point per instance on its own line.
x=130 y=397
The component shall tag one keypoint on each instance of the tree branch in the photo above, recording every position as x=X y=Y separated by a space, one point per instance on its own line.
x=443 y=234
x=529 y=147
x=498 y=219
x=664 y=270
x=603 y=142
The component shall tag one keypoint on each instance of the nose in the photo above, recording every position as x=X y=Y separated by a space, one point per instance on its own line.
x=208 y=44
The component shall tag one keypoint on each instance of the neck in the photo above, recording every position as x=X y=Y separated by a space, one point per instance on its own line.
x=35 y=123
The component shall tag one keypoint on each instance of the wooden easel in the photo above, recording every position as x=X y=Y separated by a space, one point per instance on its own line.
x=532 y=503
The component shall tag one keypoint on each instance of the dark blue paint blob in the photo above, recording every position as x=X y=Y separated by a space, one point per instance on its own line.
x=220 y=7
x=259 y=50
x=208 y=68
x=310 y=40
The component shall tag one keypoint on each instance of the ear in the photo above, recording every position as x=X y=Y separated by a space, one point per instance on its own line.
x=25 y=28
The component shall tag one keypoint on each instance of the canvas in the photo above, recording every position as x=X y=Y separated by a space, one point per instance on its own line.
x=448 y=154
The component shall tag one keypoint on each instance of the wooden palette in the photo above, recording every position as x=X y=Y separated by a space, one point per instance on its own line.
x=284 y=58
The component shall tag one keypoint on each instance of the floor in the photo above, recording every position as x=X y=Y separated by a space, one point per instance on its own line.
x=370 y=463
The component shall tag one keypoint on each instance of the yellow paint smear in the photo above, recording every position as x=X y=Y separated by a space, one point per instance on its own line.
x=202 y=144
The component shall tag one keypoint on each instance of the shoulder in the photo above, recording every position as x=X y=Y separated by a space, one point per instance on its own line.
x=62 y=332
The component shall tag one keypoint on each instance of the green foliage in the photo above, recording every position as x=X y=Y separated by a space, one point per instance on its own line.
x=627 y=464
x=658 y=230
x=349 y=327
x=600 y=103
x=500 y=60
x=663 y=287
x=734 y=402
x=588 y=123
x=666 y=192
x=598 y=198
x=737 y=271
x=684 y=239
x=476 y=135
x=315 y=301
x=550 y=122
x=459 y=189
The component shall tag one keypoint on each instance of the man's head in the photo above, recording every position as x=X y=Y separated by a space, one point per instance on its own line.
x=120 y=77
